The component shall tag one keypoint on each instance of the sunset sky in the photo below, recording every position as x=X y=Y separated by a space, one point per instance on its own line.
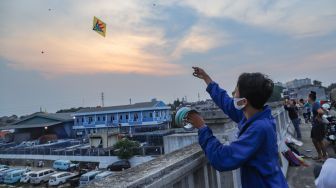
x=150 y=47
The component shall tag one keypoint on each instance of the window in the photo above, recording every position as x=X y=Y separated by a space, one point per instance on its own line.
x=98 y=119
x=40 y=174
x=91 y=178
x=90 y=119
x=77 y=120
x=113 y=117
x=156 y=114
x=104 y=118
x=150 y=114
x=120 y=117
x=82 y=120
x=126 y=116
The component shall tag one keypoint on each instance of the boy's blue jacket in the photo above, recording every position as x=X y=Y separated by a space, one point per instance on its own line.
x=255 y=151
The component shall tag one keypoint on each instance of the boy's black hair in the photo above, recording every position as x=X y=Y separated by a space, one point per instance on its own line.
x=301 y=100
x=256 y=88
x=312 y=95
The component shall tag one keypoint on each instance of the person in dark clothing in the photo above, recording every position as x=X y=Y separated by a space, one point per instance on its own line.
x=318 y=130
x=255 y=151
x=293 y=116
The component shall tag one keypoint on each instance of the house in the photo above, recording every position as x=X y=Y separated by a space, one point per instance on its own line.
x=127 y=118
x=38 y=124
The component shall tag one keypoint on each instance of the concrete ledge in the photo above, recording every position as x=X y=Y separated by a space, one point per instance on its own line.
x=164 y=170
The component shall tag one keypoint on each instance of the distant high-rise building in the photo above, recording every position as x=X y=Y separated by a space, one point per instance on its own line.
x=303 y=92
x=298 y=83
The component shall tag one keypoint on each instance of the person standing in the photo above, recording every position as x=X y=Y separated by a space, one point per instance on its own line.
x=255 y=151
x=318 y=129
x=294 y=117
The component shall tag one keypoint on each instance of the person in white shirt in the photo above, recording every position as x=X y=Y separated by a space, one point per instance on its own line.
x=326 y=178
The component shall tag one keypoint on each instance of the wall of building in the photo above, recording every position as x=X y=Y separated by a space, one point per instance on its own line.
x=303 y=93
x=115 y=119
x=177 y=141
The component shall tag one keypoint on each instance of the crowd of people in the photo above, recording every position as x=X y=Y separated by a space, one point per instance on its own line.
x=315 y=113
x=312 y=111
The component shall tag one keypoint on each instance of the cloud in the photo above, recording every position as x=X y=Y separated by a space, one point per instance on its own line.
x=201 y=38
x=134 y=44
x=71 y=47
x=294 y=17
x=320 y=65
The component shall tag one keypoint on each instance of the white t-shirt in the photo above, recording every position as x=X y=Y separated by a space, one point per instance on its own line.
x=327 y=179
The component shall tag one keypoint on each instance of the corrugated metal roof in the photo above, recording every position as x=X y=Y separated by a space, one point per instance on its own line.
x=63 y=117
x=121 y=107
x=29 y=126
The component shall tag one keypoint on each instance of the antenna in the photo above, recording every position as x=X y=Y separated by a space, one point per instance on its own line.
x=130 y=101
x=198 y=97
x=102 y=99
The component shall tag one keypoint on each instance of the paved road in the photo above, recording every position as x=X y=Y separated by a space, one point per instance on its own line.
x=303 y=177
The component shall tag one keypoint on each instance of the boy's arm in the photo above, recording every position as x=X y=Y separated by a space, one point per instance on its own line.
x=230 y=157
x=224 y=102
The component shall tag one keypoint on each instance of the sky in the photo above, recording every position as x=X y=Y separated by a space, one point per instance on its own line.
x=150 y=47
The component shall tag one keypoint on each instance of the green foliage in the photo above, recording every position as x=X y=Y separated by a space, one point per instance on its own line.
x=124 y=148
x=276 y=95
x=331 y=87
x=69 y=110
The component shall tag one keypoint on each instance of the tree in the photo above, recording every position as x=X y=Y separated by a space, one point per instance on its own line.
x=317 y=83
x=69 y=110
x=124 y=148
x=177 y=102
x=331 y=87
x=276 y=95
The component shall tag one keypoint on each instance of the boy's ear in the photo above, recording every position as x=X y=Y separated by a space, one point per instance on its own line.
x=243 y=102
x=246 y=102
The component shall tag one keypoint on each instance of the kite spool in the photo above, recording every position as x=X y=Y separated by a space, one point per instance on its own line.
x=181 y=118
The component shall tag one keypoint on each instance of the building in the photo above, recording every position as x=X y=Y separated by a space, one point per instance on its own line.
x=39 y=124
x=303 y=92
x=298 y=83
x=129 y=118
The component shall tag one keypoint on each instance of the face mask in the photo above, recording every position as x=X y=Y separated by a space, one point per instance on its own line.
x=236 y=101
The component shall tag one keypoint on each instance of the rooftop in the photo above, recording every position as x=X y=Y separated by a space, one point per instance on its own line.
x=53 y=119
x=151 y=104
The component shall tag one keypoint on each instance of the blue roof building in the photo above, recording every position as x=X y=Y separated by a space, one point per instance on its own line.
x=145 y=114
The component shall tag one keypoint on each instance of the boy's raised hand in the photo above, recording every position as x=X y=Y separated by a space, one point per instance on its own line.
x=200 y=73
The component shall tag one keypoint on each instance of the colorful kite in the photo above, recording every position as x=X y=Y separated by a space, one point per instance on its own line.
x=99 y=26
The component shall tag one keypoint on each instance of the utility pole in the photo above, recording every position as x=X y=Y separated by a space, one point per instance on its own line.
x=102 y=99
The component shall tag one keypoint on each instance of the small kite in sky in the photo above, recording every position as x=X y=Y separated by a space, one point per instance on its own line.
x=99 y=26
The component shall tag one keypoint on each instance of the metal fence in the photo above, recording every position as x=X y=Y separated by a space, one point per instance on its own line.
x=145 y=150
x=58 y=151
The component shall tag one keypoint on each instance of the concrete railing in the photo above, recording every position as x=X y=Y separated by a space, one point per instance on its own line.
x=188 y=167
